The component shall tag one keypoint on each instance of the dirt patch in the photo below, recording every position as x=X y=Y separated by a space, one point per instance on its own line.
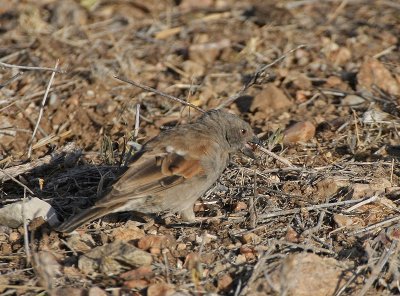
x=327 y=205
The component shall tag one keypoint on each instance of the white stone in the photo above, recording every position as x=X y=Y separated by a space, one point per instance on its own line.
x=12 y=216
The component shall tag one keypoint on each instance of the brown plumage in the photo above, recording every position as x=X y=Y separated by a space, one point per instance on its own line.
x=174 y=169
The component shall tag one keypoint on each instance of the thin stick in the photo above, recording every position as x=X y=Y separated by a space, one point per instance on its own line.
x=314 y=229
x=153 y=90
x=14 y=54
x=22 y=287
x=311 y=208
x=376 y=225
x=30 y=119
x=135 y=135
x=376 y=270
x=349 y=281
x=16 y=181
x=26 y=238
x=364 y=202
x=280 y=159
x=338 y=10
x=391 y=172
x=57 y=157
x=33 y=97
x=356 y=127
x=55 y=70
x=41 y=110
x=305 y=247
x=137 y=121
x=281 y=58
x=69 y=247
x=260 y=73
x=164 y=252
x=252 y=208
x=11 y=79
x=385 y=51
x=258 y=268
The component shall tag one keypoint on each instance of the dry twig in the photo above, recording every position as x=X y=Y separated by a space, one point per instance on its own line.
x=26 y=238
x=259 y=75
x=310 y=208
x=277 y=157
x=54 y=70
x=153 y=90
x=15 y=77
x=16 y=181
x=41 y=110
x=11 y=172
x=252 y=208
x=376 y=270
x=376 y=225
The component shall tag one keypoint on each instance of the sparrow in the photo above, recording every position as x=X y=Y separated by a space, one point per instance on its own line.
x=174 y=169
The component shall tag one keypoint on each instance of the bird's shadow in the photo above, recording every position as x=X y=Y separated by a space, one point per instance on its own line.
x=65 y=178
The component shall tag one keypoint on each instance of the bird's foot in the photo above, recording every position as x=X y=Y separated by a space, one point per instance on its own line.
x=187 y=215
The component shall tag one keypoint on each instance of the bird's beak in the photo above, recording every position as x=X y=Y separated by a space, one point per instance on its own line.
x=256 y=141
x=248 y=149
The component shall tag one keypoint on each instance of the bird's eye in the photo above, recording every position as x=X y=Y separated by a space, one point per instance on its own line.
x=243 y=131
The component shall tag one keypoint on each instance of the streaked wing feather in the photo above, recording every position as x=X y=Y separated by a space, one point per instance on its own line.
x=152 y=173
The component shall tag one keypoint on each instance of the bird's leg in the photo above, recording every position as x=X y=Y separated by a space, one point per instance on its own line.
x=187 y=214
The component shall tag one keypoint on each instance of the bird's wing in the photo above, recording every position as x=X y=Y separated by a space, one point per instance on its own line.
x=159 y=167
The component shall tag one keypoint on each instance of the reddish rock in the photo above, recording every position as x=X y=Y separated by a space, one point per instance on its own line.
x=248 y=252
x=136 y=284
x=251 y=238
x=270 y=99
x=156 y=241
x=373 y=73
x=160 y=289
x=301 y=275
x=96 y=291
x=142 y=272
x=291 y=235
x=127 y=233
x=240 y=206
x=299 y=132
x=224 y=282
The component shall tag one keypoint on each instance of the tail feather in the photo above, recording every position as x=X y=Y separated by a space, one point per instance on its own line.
x=83 y=217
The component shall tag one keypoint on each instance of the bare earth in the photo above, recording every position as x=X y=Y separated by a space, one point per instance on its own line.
x=319 y=81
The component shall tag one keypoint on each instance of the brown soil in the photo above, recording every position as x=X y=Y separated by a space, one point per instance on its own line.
x=327 y=103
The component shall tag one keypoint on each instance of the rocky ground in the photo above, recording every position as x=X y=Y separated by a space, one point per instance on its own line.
x=319 y=81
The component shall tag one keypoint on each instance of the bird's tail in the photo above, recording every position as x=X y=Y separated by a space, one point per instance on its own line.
x=81 y=218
